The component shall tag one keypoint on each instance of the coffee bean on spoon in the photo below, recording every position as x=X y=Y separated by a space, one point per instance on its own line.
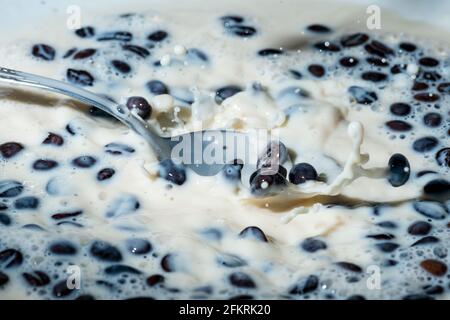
x=10 y=149
x=43 y=51
x=302 y=172
x=85 y=53
x=54 y=139
x=85 y=32
x=144 y=110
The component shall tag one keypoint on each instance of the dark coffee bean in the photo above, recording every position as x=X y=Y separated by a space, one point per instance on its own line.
x=316 y=70
x=226 y=92
x=121 y=269
x=387 y=224
x=318 y=28
x=419 y=86
x=231 y=20
x=419 y=228
x=327 y=46
x=373 y=76
x=431 y=209
x=123 y=36
x=85 y=32
x=70 y=129
x=84 y=162
x=443 y=157
x=138 y=246
x=430 y=289
x=144 y=110
x=356 y=297
x=381 y=236
x=242 y=31
x=4 y=279
x=121 y=66
x=43 y=51
x=158 y=36
x=313 y=244
x=140 y=51
x=269 y=52
x=172 y=172
x=69 y=53
x=432 y=119
x=424 y=172
x=80 y=77
x=168 y=263
x=426 y=97
x=435 y=267
x=105 y=252
x=408 y=47
x=429 y=76
x=398 y=125
x=232 y=171
x=10 y=258
x=418 y=296
x=399 y=170
x=26 y=203
x=116 y=149
x=10 y=149
x=379 y=62
x=425 y=240
x=36 y=278
x=156 y=87
x=263 y=184
x=378 y=48
x=66 y=215
x=295 y=74
x=44 y=164
x=444 y=87
x=54 y=139
x=425 y=144
x=241 y=280
x=275 y=154
x=83 y=54
x=10 y=188
x=155 y=279
x=362 y=96
x=400 y=109
x=230 y=261
x=61 y=289
x=398 y=68
x=437 y=187
x=348 y=62
x=253 y=232
x=63 y=248
x=354 y=39
x=428 y=62
x=4 y=219
x=387 y=246
x=105 y=174
x=305 y=286
x=302 y=172
x=349 y=266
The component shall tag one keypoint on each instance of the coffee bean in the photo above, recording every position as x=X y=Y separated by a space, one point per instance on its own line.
x=4 y=219
x=429 y=76
x=398 y=68
x=431 y=209
x=242 y=31
x=435 y=267
x=348 y=62
x=432 y=119
x=444 y=88
x=316 y=70
x=123 y=36
x=85 y=32
x=400 y=109
x=362 y=96
x=408 y=47
x=116 y=149
x=428 y=62
x=80 y=77
x=318 y=28
x=270 y=52
x=387 y=246
x=301 y=173
x=307 y=285
x=63 y=248
x=354 y=39
x=121 y=269
x=172 y=172
x=378 y=48
x=84 y=162
x=83 y=54
x=241 y=280
x=105 y=252
x=26 y=203
x=140 y=51
x=381 y=236
x=419 y=86
x=399 y=125
x=10 y=189
x=379 y=62
x=418 y=296
x=387 y=224
x=43 y=51
x=158 y=36
x=327 y=46
x=399 y=170
x=438 y=188
x=138 y=246
x=69 y=53
x=36 y=278
x=419 y=228
x=10 y=258
x=373 y=76
x=155 y=279
x=105 y=174
x=66 y=215
x=54 y=139
x=426 y=97
x=121 y=66
x=430 y=289
x=226 y=92
x=349 y=266
x=44 y=164
x=425 y=240
x=313 y=245
x=168 y=263
x=443 y=157
x=4 y=279
x=10 y=149
x=156 y=87
x=230 y=261
x=61 y=289
x=253 y=233
x=425 y=144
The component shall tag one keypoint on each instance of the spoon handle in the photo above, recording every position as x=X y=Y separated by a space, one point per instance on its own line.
x=120 y=112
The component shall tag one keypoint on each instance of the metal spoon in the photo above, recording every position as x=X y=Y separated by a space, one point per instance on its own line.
x=163 y=146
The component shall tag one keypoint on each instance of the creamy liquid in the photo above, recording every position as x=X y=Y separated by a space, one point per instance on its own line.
x=198 y=223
